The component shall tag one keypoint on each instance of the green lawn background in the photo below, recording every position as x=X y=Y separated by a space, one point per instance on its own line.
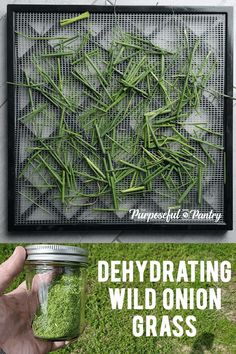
x=110 y=332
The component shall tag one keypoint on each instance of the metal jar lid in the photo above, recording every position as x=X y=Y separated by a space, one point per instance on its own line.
x=56 y=253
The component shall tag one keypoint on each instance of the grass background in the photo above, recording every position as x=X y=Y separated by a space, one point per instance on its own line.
x=110 y=332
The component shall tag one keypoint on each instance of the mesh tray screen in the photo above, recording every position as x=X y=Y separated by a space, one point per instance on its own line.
x=165 y=30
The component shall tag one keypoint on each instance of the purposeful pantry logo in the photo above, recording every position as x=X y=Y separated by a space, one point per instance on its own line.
x=172 y=215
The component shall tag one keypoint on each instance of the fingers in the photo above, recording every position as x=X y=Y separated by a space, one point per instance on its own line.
x=46 y=347
x=71 y=341
x=21 y=289
x=53 y=346
x=12 y=267
x=58 y=345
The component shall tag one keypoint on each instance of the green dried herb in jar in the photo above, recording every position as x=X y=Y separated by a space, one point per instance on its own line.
x=55 y=277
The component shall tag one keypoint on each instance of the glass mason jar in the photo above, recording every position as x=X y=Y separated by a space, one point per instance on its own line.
x=55 y=278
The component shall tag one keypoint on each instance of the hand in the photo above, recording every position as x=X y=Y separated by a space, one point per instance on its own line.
x=16 y=336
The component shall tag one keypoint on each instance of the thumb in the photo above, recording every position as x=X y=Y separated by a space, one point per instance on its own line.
x=12 y=267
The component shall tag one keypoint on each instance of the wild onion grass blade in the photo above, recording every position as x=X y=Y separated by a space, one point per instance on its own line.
x=46 y=38
x=110 y=209
x=56 y=54
x=208 y=155
x=200 y=181
x=66 y=41
x=219 y=147
x=30 y=91
x=114 y=193
x=100 y=139
x=208 y=130
x=34 y=113
x=133 y=189
x=69 y=21
x=94 y=167
x=136 y=167
x=35 y=203
x=186 y=192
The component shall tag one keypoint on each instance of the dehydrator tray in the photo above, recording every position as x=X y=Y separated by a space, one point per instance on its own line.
x=120 y=120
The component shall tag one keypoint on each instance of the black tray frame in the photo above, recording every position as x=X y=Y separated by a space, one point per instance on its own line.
x=228 y=116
